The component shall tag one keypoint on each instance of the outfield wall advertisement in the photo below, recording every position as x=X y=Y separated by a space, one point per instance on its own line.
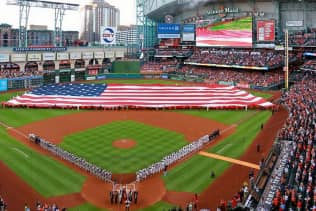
x=3 y=85
x=229 y=33
x=266 y=30
x=188 y=32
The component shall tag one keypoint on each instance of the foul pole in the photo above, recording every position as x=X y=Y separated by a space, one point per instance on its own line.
x=286 y=62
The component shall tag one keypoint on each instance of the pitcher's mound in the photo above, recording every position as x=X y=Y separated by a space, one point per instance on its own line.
x=124 y=143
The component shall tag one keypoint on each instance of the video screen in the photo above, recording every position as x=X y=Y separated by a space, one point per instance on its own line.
x=231 y=32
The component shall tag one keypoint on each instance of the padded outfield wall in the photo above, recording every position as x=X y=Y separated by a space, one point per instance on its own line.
x=126 y=67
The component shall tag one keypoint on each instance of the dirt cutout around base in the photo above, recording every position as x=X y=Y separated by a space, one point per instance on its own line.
x=124 y=143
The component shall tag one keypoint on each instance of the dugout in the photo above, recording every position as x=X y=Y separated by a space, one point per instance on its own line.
x=31 y=67
x=80 y=74
x=65 y=76
x=49 y=65
x=106 y=65
x=49 y=77
x=64 y=64
x=79 y=63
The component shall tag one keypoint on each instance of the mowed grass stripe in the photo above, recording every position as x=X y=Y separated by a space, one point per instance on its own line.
x=227 y=117
x=194 y=174
x=95 y=145
x=236 y=144
x=45 y=175
x=16 y=117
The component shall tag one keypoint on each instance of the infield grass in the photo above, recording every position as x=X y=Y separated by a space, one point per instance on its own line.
x=198 y=168
x=95 y=145
x=45 y=175
x=86 y=207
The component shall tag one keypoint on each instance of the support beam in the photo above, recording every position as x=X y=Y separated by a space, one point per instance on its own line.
x=58 y=22
x=24 y=11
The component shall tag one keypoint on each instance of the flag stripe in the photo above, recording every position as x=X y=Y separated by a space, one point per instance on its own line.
x=139 y=96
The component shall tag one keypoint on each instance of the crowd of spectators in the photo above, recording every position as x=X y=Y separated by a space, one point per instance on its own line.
x=174 y=157
x=298 y=189
x=257 y=78
x=174 y=52
x=253 y=58
x=12 y=70
x=3 y=205
x=103 y=174
x=166 y=65
x=44 y=207
x=303 y=38
x=309 y=65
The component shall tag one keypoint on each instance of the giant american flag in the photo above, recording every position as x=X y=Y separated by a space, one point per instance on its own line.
x=138 y=96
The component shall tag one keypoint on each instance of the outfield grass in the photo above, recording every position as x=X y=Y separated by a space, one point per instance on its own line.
x=16 y=117
x=236 y=144
x=95 y=145
x=138 y=81
x=45 y=175
x=260 y=94
x=227 y=117
x=9 y=95
x=198 y=168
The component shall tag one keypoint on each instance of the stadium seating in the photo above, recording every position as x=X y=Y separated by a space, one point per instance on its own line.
x=252 y=58
x=245 y=77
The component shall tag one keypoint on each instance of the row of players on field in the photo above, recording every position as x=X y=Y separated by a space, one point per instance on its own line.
x=141 y=174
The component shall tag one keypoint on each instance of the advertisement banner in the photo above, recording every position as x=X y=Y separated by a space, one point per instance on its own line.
x=4 y=58
x=108 y=35
x=266 y=30
x=188 y=37
x=100 y=77
x=34 y=57
x=39 y=48
x=119 y=54
x=294 y=23
x=3 y=85
x=75 y=55
x=99 y=55
x=168 y=30
x=90 y=78
x=62 y=56
x=243 y=85
x=228 y=83
x=18 y=57
x=87 y=55
x=188 y=28
x=49 y=56
x=109 y=54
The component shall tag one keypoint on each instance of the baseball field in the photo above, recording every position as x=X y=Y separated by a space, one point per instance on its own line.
x=123 y=142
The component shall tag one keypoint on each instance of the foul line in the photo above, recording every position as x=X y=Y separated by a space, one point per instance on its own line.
x=20 y=151
x=231 y=160
x=13 y=129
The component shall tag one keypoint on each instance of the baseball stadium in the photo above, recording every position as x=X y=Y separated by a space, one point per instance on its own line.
x=211 y=108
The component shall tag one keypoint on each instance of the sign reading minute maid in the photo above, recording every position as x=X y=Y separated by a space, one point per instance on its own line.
x=108 y=35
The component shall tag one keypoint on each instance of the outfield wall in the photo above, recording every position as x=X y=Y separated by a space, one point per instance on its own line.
x=126 y=67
